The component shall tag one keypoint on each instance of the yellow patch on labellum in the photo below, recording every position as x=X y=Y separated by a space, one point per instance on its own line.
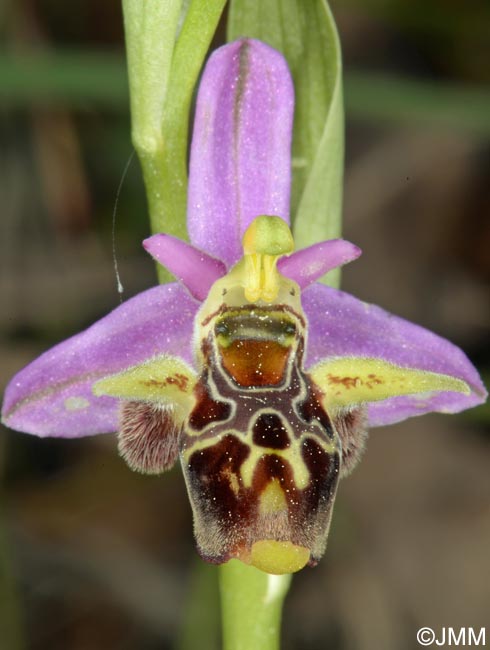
x=346 y=381
x=272 y=499
x=292 y=455
x=163 y=380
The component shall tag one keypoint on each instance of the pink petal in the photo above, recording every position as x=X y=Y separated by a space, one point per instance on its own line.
x=309 y=264
x=241 y=146
x=194 y=268
x=52 y=396
x=341 y=325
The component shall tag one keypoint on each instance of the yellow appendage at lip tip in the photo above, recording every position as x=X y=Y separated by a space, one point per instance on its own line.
x=278 y=558
x=264 y=242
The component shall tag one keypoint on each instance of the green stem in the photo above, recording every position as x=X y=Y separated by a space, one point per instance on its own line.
x=251 y=603
x=163 y=67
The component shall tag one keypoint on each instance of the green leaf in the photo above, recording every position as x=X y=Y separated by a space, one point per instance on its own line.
x=305 y=33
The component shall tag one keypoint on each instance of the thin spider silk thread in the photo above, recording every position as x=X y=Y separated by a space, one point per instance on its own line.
x=120 y=288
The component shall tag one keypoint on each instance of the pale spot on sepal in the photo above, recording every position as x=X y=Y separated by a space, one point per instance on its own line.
x=76 y=403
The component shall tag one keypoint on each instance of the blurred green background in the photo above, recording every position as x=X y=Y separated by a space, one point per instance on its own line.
x=93 y=556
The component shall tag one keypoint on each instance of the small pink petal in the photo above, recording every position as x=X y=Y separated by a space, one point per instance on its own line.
x=197 y=270
x=309 y=264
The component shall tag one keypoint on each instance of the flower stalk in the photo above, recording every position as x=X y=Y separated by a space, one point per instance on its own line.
x=251 y=606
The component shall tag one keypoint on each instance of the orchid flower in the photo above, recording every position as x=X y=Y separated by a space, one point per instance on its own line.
x=261 y=379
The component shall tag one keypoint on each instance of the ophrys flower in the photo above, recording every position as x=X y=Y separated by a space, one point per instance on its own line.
x=261 y=379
